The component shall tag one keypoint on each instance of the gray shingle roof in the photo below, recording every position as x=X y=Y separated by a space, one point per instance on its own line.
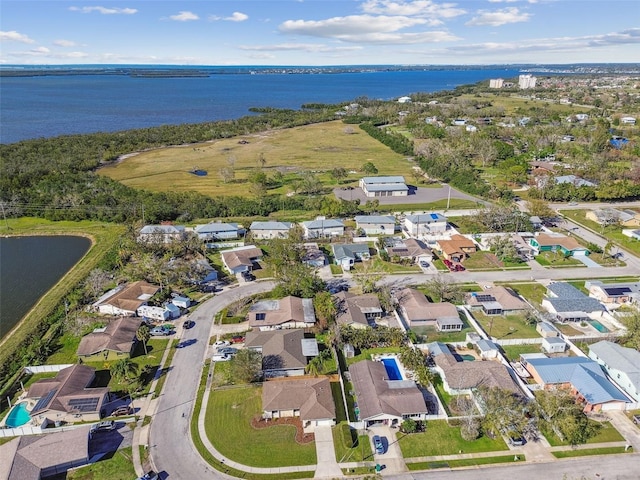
x=270 y=226
x=349 y=250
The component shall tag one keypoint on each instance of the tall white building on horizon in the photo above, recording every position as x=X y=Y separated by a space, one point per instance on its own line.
x=496 y=83
x=527 y=81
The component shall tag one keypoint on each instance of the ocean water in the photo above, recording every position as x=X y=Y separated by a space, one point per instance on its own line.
x=47 y=106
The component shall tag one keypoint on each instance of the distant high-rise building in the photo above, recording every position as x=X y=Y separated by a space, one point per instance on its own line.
x=496 y=83
x=527 y=81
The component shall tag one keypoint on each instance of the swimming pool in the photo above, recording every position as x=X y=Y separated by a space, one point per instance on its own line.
x=393 y=369
x=18 y=415
x=598 y=326
x=467 y=358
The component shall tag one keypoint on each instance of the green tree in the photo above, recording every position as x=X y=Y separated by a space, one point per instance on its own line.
x=409 y=426
x=325 y=307
x=125 y=371
x=503 y=411
x=440 y=288
x=143 y=334
x=632 y=338
x=338 y=174
x=369 y=167
x=246 y=365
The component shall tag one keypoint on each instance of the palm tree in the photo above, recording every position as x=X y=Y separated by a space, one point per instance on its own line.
x=124 y=369
x=143 y=335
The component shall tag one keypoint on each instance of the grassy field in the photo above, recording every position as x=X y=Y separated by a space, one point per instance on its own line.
x=441 y=439
x=228 y=426
x=103 y=237
x=513 y=352
x=117 y=467
x=583 y=452
x=319 y=147
x=465 y=462
x=534 y=292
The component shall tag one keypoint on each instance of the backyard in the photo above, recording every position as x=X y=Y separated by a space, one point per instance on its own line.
x=506 y=326
x=228 y=425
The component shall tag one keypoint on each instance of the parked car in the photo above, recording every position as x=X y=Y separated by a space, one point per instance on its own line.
x=248 y=276
x=188 y=324
x=377 y=443
x=159 y=331
x=105 y=426
x=227 y=351
x=237 y=339
x=220 y=358
x=424 y=264
x=124 y=410
x=516 y=441
x=221 y=343
x=151 y=475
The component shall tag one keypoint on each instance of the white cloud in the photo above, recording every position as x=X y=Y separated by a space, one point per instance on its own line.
x=184 y=16
x=421 y=8
x=235 y=17
x=305 y=47
x=65 y=43
x=14 y=36
x=105 y=10
x=499 y=17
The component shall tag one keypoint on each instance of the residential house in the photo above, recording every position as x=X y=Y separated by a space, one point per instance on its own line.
x=204 y=272
x=322 y=227
x=425 y=224
x=269 y=230
x=574 y=180
x=457 y=248
x=496 y=301
x=346 y=254
x=376 y=224
x=161 y=234
x=68 y=395
x=174 y=310
x=611 y=216
x=535 y=221
x=569 y=304
x=625 y=292
x=384 y=401
x=418 y=311
x=487 y=349
x=116 y=340
x=125 y=299
x=285 y=353
x=287 y=312
x=622 y=365
x=357 y=311
x=583 y=376
x=218 y=231
x=632 y=234
x=553 y=345
x=313 y=256
x=628 y=120
x=390 y=186
x=241 y=259
x=547 y=330
x=31 y=457
x=462 y=377
x=409 y=248
x=309 y=398
x=556 y=242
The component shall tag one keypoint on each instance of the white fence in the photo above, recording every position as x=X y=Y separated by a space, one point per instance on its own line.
x=519 y=341
x=225 y=245
x=46 y=368
x=21 y=431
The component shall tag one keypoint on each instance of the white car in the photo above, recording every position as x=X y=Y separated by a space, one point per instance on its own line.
x=220 y=358
x=222 y=343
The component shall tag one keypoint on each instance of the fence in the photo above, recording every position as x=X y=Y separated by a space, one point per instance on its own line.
x=519 y=341
x=21 y=431
x=224 y=245
x=31 y=369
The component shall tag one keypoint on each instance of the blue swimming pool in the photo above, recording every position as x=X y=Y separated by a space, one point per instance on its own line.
x=18 y=415
x=598 y=326
x=393 y=370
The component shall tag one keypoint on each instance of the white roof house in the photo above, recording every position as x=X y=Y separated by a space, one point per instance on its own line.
x=218 y=231
x=376 y=224
x=389 y=186
x=622 y=365
x=322 y=227
x=266 y=230
x=161 y=233
x=425 y=224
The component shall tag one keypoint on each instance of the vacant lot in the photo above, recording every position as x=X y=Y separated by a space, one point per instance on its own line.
x=507 y=326
x=319 y=148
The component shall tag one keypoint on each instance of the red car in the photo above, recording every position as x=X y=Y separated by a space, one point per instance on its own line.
x=237 y=339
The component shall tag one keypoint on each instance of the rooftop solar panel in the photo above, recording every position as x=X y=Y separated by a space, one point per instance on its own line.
x=84 y=404
x=44 y=400
x=485 y=298
x=617 y=290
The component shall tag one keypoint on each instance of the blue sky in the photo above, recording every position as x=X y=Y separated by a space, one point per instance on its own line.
x=319 y=32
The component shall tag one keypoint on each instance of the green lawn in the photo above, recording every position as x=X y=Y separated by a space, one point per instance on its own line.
x=228 y=426
x=487 y=261
x=117 y=467
x=466 y=462
x=431 y=334
x=441 y=439
x=590 y=451
x=336 y=391
x=507 y=326
x=359 y=452
x=557 y=259
x=534 y=292
x=607 y=433
x=367 y=353
x=513 y=352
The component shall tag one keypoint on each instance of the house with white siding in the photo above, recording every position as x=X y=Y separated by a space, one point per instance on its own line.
x=216 y=231
x=376 y=224
x=389 y=186
x=425 y=224
x=621 y=364
x=268 y=230
x=323 y=227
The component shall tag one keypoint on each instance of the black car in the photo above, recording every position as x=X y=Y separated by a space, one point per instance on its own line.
x=248 y=276
x=188 y=324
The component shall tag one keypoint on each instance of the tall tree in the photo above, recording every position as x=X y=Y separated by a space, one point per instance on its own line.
x=246 y=365
x=503 y=411
x=143 y=334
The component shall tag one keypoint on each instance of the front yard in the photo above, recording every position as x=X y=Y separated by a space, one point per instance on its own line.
x=228 y=426
x=607 y=434
x=557 y=259
x=441 y=439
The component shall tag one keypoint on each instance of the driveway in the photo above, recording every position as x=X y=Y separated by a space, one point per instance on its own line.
x=326 y=454
x=169 y=440
x=392 y=458
x=587 y=261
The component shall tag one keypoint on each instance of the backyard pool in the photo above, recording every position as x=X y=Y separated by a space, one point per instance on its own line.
x=598 y=326
x=18 y=415
x=467 y=358
x=392 y=367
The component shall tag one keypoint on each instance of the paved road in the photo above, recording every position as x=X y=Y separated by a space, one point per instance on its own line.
x=615 y=467
x=170 y=442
